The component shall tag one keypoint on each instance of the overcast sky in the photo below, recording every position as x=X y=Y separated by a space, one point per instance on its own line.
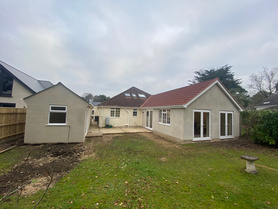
x=106 y=47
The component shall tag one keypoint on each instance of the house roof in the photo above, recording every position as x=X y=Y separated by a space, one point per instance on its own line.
x=55 y=86
x=270 y=102
x=31 y=83
x=132 y=97
x=185 y=95
x=95 y=103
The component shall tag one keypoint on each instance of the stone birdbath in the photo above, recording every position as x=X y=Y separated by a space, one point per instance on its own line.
x=250 y=163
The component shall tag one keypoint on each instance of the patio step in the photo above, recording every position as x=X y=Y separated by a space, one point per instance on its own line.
x=90 y=135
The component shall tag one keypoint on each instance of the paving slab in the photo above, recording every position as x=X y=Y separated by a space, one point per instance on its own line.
x=96 y=131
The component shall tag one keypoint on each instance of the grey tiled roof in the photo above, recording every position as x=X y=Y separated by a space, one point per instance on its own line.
x=272 y=100
x=132 y=97
x=30 y=82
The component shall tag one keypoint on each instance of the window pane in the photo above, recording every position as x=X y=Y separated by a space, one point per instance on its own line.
x=168 y=116
x=58 y=108
x=135 y=112
x=205 y=124
x=112 y=113
x=197 y=124
x=117 y=112
x=141 y=95
x=6 y=84
x=230 y=124
x=57 y=117
x=164 y=118
x=222 y=124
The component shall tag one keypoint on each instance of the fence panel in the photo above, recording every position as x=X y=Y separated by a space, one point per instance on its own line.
x=12 y=122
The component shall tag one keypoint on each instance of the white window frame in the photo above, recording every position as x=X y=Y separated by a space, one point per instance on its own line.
x=114 y=110
x=57 y=111
x=226 y=125
x=135 y=111
x=201 y=127
x=142 y=95
x=167 y=114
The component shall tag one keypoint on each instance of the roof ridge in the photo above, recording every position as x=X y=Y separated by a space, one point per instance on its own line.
x=19 y=70
x=195 y=84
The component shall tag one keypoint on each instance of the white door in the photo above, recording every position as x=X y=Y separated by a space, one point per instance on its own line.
x=201 y=125
x=149 y=119
x=226 y=125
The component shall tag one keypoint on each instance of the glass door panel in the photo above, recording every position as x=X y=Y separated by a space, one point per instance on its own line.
x=205 y=124
x=230 y=124
x=201 y=125
x=197 y=124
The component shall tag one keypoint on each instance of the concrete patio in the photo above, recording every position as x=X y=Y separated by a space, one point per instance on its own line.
x=96 y=131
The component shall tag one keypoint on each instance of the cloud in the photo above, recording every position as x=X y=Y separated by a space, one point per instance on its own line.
x=105 y=47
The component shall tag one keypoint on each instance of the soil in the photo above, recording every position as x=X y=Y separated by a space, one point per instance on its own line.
x=42 y=161
x=45 y=160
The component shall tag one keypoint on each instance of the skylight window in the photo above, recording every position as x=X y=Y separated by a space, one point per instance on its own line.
x=127 y=94
x=142 y=95
x=266 y=102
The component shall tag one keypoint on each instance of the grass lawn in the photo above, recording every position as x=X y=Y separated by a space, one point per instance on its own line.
x=134 y=172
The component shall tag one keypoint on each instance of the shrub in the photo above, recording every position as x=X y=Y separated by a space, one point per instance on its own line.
x=261 y=126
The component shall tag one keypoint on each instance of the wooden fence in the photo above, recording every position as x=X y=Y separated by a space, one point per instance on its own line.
x=12 y=122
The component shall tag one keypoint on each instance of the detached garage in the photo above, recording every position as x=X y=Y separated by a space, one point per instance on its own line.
x=56 y=115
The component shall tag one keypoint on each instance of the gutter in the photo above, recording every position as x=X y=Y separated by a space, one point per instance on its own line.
x=164 y=107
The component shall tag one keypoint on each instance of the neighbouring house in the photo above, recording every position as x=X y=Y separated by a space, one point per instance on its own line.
x=16 y=85
x=95 y=110
x=270 y=102
x=123 y=109
x=202 y=111
x=56 y=115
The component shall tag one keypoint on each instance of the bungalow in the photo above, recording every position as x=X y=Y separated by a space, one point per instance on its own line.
x=56 y=115
x=122 y=109
x=202 y=111
x=16 y=85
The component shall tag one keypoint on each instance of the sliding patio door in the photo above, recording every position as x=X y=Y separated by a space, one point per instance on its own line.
x=202 y=125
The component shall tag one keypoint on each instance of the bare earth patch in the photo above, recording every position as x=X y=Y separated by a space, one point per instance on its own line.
x=41 y=161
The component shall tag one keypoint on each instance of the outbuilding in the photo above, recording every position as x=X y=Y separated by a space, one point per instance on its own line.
x=56 y=115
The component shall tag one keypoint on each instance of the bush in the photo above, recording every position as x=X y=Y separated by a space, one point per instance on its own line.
x=261 y=126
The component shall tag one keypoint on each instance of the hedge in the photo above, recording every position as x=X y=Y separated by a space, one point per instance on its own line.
x=261 y=126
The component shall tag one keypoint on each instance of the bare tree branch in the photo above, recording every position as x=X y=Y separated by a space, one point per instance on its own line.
x=51 y=179
x=265 y=81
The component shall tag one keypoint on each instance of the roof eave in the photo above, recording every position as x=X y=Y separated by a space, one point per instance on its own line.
x=164 y=107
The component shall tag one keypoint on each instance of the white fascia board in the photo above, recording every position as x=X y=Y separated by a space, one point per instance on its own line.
x=164 y=107
x=204 y=91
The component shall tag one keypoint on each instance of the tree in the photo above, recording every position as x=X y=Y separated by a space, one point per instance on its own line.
x=100 y=98
x=97 y=98
x=256 y=99
x=265 y=82
x=227 y=78
x=88 y=97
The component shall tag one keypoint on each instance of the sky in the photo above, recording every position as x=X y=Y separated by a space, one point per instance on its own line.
x=106 y=47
